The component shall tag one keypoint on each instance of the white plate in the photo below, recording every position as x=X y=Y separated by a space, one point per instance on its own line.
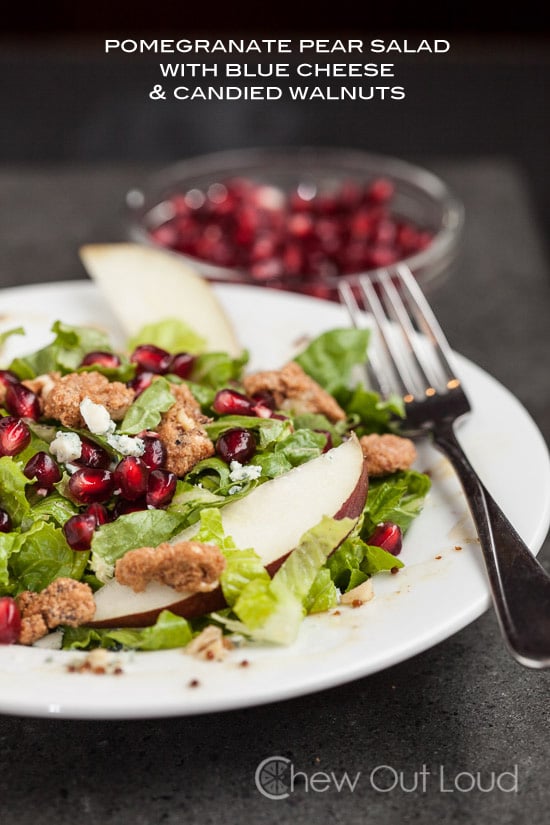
x=440 y=591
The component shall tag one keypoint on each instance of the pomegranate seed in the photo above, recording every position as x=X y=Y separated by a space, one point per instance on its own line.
x=131 y=476
x=380 y=191
x=161 y=488
x=123 y=507
x=8 y=377
x=44 y=469
x=10 y=621
x=231 y=402
x=79 y=531
x=182 y=364
x=93 y=455
x=22 y=401
x=154 y=455
x=388 y=536
x=141 y=382
x=265 y=398
x=236 y=444
x=14 y=435
x=151 y=359
x=5 y=522
x=91 y=484
x=103 y=359
x=283 y=238
x=99 y=512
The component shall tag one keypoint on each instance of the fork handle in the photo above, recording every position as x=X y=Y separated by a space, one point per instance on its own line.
x=519 y=584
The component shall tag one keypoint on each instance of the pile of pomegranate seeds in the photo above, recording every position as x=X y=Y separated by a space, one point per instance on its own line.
x=300 y=240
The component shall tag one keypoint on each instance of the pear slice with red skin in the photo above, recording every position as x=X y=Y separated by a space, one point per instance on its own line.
x=143 y=285
x=271 y=519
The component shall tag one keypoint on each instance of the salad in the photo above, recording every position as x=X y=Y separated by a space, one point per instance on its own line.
x=165 y=497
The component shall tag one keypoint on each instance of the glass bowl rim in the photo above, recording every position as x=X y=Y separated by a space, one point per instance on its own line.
x=222 y=162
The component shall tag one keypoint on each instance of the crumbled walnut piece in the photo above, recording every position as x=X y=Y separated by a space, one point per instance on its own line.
x=63 y=399
x=210 y=645
x=63 y=602
x=387 y=453
x=293 y=389
x=359 y=595
x=42 y=385
x=182 y=433
x=187 y=566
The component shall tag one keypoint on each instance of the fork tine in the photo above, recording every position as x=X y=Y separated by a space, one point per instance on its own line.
x=403 y=378
x=420 y=366
x=375 y=373
x=427 y=323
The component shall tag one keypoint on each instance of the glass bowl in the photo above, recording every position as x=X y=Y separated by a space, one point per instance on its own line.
x=261 y=216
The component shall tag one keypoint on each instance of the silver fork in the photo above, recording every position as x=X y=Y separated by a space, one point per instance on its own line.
x=414 y=360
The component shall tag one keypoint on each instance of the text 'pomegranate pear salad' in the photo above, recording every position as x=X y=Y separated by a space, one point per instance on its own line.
x=166 y=497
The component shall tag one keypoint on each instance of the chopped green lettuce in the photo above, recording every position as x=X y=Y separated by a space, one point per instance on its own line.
x=330 y=358
x=354 y=561
x=12 y=490
x=42 y=555
x=145 y=528
x=272 y=611
x=398 y=498
x=146 y=411
x=64 y=354
x=217 y=369
x=170 y=334
x=266 y=430
x=8 y=334
x=367 y=412
x=323 y=594
x=169 y=631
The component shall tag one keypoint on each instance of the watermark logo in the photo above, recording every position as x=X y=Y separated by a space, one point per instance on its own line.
x=276 y=778
x=272 y=777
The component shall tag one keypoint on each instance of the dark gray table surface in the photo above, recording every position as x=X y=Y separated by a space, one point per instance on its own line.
x=463 y=705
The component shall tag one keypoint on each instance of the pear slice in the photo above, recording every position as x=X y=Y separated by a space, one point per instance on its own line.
x=271 y=519
x=143 y=285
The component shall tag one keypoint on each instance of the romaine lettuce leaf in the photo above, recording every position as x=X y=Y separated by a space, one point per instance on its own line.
x=266 y=430
x=323 y=594
x=170 y=334
x=42 y=556
x=217 y=369
x=354 y=561
x=8 y=334
x=367 y=412
x=398 y=498
x=330 y=358
x=146 y=411
x=145 y=528
x=271 y=611
x=169 y=631
x=12 y=490
x=64 y=354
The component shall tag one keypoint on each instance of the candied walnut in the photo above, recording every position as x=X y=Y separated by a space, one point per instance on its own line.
x=182 y=433
x=64 y=601
x=387 y=453
x=210 y=645
x=63 y=399
x=293 y=389
x=33 y=628
x=187 y=566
